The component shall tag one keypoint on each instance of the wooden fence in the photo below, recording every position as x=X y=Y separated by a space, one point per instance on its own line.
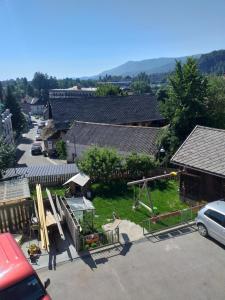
x=15 y=217
x=171 y=219
x=73 y=226
x=49 y=180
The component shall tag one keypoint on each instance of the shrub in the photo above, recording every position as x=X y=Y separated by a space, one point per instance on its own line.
x=100 y=163
x=139 y=164
x=61 y=149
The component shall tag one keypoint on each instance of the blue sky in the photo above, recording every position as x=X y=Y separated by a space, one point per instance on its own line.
x=76 y=38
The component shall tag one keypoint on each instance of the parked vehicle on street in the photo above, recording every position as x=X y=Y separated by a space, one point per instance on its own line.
x=36 y=149
x=38 y=137
x=41 y=124
x=18 y=280
x=211 y=220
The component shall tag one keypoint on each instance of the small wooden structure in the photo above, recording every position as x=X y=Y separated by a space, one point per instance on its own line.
x=83 y=210
x=16 y=207
x=78 y=184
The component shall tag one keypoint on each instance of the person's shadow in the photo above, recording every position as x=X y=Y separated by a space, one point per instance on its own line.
x=127 y=245
x=52 y=259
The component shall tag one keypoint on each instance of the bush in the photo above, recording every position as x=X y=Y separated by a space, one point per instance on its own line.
x=100 y=163
x=139 y=164
x=7 y=156
x=105 y=165
x=61 y=149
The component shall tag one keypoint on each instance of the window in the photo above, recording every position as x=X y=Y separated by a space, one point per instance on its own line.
x=215 y=216
x=28 y=289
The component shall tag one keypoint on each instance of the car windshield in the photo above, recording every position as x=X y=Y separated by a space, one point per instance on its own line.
x=28 y=289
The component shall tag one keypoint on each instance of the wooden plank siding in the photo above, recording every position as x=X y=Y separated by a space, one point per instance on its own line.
x=71 y=223
x=14 y=217
x=201 y=186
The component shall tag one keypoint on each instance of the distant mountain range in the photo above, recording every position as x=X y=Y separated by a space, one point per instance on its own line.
x=212 y=62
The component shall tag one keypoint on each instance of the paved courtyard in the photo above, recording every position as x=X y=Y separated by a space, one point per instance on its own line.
x=181 y=267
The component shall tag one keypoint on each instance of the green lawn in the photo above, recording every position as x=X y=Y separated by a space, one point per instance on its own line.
x=120 y=199
x=164 y=195
x=54 y=190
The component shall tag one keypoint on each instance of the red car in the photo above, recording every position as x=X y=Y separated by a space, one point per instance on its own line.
x=18 y=280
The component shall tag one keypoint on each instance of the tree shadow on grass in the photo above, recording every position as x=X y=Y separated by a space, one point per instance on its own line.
x=112 y=189
x=163 y=184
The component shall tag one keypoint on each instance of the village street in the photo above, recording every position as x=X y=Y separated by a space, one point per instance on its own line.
x=24 y=151
x=185 y=267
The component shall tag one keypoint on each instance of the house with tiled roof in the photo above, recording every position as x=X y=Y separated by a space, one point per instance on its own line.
x=202 y=159
x=37 y=106
x=135 y=110
x=125 y=139
x=122 y=110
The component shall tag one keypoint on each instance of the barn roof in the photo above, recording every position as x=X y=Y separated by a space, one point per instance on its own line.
x=124 y=138
x=203 y=150
x=112 y=110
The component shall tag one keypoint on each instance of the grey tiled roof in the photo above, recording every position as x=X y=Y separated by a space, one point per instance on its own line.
x=45 y=170
x=204 y=149
x=123 y=138
x=112 y=110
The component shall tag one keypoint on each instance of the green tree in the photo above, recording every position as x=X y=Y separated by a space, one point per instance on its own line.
x=216 y=96
x=30 y=90
x=139 y=164
x=100 y=163
x=7 y=156
x=162 y=94
x=108 y=90
x=141 y=84
x=52 y=83
x=141 y=87
x=186 y=105
x=61 y=149
x=40 y=82
x=18 y=119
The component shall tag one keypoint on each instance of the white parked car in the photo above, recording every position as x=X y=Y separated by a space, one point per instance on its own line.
x=211 y=220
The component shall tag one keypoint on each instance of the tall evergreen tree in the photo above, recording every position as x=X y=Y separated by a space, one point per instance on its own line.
x=18 y=119
x=186 y=105
x=7 y=156
x=217 y=101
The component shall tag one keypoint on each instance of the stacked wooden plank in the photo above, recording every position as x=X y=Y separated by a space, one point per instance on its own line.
x=56 y=216
x=42 y=219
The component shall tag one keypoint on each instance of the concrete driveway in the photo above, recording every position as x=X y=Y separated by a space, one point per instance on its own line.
x=184 y=267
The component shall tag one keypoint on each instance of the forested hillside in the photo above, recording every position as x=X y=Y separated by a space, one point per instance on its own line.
x=213 y=62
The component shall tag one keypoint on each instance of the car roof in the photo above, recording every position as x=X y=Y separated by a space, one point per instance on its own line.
x=218 y=205
x=14 y=266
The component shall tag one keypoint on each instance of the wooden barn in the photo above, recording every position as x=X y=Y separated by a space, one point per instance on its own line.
x=202 y=159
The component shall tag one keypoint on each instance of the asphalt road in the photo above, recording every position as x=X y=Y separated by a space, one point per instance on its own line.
x=23 y=151
x=185 y=267
x=24 y=155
